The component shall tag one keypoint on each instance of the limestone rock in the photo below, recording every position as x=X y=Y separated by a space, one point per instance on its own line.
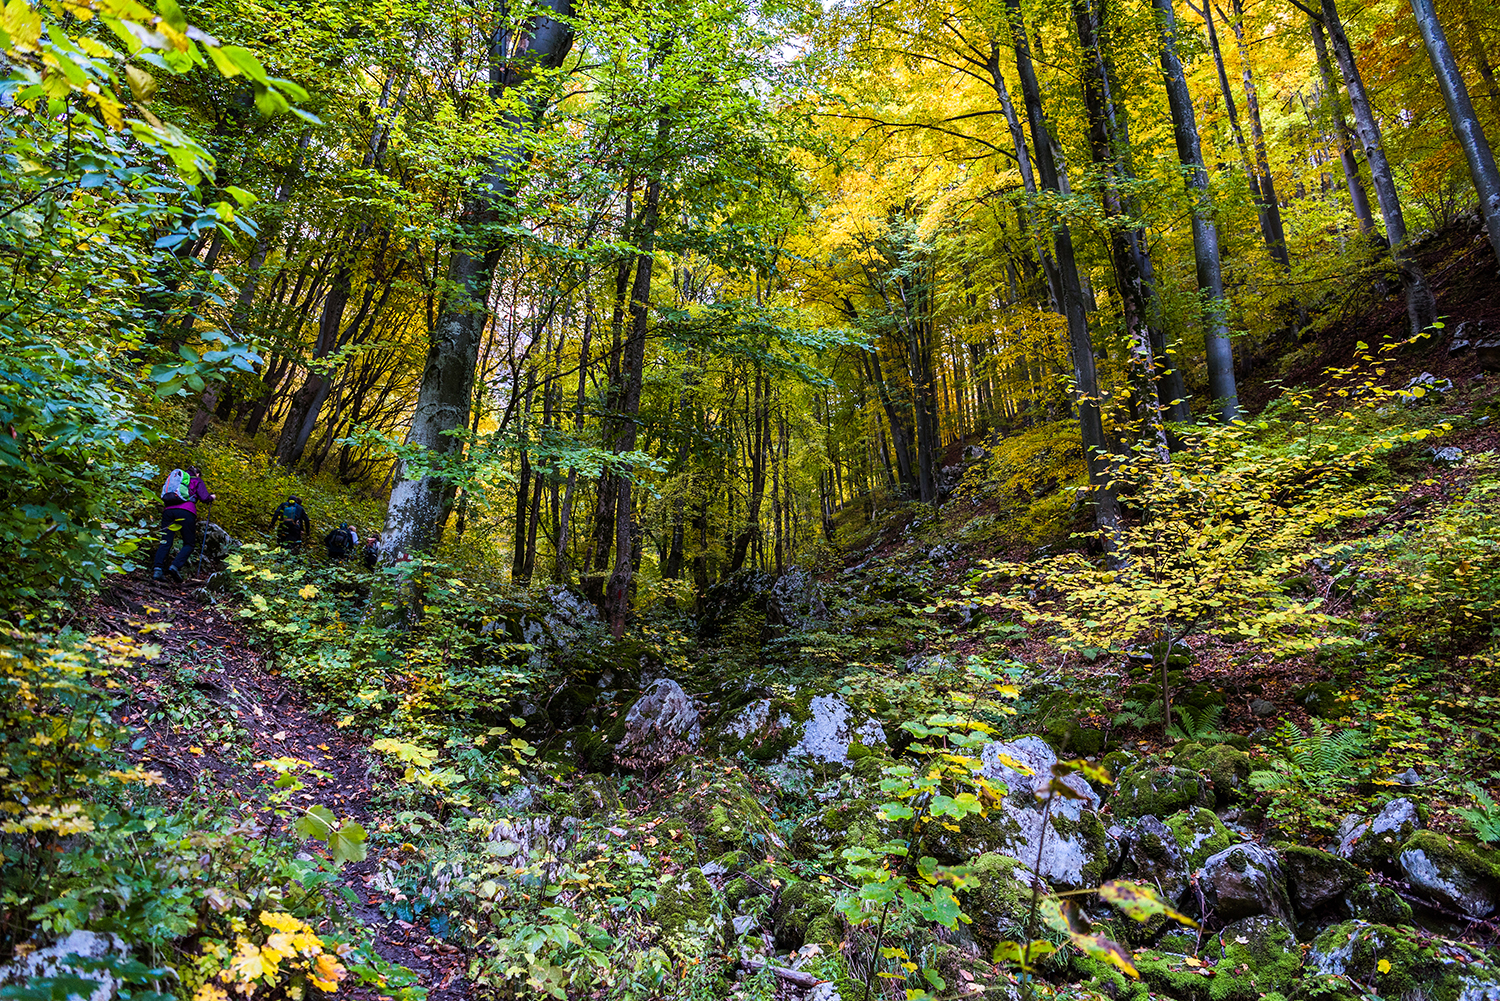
x=1451 y=873
x=1244 y=880
x=795 y=601
x=1070 y=837
x=663 y=713
x=1316 y=878
x=1373 y=843
x=997 y=898
x=1260 y=954
x=1199 y=834
x=1153 y=789
x=50 y=962
x=830 y=729
x=1418 y=965
x=1150 y=854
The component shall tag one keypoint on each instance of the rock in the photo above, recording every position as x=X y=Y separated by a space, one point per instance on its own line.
x=1227 y=766
x=1150 y=854
x=1415 y=965
x=1152 y=789
x=1410 y=777
x=830 y=729
x=804 y=912
x=1262 y=707
x=50 y=962
x=1199 y=834
x=1071 y=840
x=1316 y=878
x=974 y=453
x=735 y=594
x=682 y=903
x=997 y=897
x=1452 y=873
x=850 y=822
x=1244 y=880
x=663 y=713
x=795 y=601
x=1425 y=388
x=1260 y=955
x=1321 y=698
x=217 y=543
x=1448 y=453
x=1373 y=843
x=1488 y=353
x=1380 y=904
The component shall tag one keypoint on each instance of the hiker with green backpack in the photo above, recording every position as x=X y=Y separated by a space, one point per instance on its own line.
x=292 y=523
x=180 y=496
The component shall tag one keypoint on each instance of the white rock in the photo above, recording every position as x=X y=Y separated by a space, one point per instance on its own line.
x=48 y=962
x=664 y=711
x=1028 y=824
x=829 y=732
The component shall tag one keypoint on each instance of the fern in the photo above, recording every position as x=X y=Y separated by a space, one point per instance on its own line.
x=1138 y=714
x=1486 y=819
x=1197 y=724
x=1321 y=755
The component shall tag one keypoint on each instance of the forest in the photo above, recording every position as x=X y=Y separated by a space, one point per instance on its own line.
x=782 y=500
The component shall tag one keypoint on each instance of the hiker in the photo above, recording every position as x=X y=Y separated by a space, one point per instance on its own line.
x=341 y=541
x=372 y=551
x=180 y=496
x=292 y=523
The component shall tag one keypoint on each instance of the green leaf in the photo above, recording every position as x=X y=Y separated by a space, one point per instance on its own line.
x=318 y=823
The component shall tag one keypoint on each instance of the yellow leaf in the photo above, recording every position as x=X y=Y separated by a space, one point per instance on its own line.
x=1384 y=966
x=308 y=591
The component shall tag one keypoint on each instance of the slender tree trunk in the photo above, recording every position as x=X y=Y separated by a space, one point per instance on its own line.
x=1273 y=228
x=1421 y=305
x=417 y=507
x=1205 y=233
x=1090 y=420
x=1465 y=123
x=1359 y=201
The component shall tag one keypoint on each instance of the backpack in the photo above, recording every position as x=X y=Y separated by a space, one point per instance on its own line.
x=290 y=511
x=340 y=542
x=175 y=490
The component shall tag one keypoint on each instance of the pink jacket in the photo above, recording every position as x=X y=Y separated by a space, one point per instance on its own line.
x=196 y=492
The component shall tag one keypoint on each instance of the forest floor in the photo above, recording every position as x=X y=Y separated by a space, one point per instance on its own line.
x=211 y=705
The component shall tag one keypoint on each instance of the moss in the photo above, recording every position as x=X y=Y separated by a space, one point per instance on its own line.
x=854 y=822
x=1088 y=829
x=1199 y=834
x=682 y=903
x=1101 y=979
x=1156 y=790
x=720 y=808
x=595 y=795
x=1260 y=954
x=1420 y=965
x=1379 y=904
x=1227 y=767
x=1449 y=853
x=1071 y=739
x=804 y=912
x=997 y=898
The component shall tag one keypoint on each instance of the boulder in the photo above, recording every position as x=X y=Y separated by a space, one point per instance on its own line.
x=1244 y=880
x=1414 y=964
x=49 y=963
x=830 y=728
x=1150 y=854
x=1316 y=878
x=997 y=897
x=1373 y=843
x=1425 y=387
x=1067 y=836
x=218 y=543
x=1260 y=954
x=1488 y=353
x=1227 y=766
x=1199 y=834
x=795 y=602
x=664 y=713
x=1157 y=790
x=730 y=596
x=1376 y=903
x=1451 y=873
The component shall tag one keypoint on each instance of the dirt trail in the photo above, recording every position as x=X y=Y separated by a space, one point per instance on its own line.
x=247 y=713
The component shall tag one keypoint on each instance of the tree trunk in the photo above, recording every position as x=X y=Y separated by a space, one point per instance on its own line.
x=416 y=511
x=1421 y=306
x=1359 y=201
x=1205 y=234
x=1465 y=123
x=1091 y=424
x=1272 y=228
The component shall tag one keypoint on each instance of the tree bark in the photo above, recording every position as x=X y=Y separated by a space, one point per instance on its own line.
x=1090 y=420
x=1421 y=305
x=1205 y=234
x=415 y=515
x=1359 y=200
x=1466 y=125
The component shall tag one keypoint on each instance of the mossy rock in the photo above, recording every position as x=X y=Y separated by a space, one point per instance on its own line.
x=682 y=904
x=1457 y=874
x=997 y=898
x=1151 y=856
x=1315 y=879
x=1151 y=789
x=1072 y=739
x=1320 y=699
x=720 y=808
x=840 y=825
x=595 y=795
x=1260 y=954
x=1424 y=966
x=1227 y=767
x=1377 y=904
x=803 y=913
x=1199 y=834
